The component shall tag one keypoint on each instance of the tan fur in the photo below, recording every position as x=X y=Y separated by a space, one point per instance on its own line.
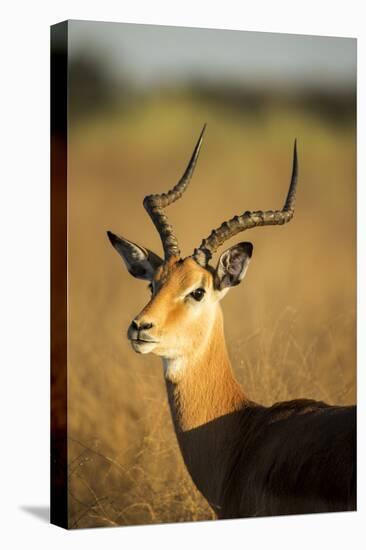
x=191 y=339
x=207 y=388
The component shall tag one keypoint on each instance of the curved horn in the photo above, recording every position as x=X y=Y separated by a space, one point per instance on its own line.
x=228 y=229
x=154 y=204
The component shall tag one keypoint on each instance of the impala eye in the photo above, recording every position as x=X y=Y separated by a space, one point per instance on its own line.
x=198 y=294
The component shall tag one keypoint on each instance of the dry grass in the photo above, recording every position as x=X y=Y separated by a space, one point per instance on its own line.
x=290 y=326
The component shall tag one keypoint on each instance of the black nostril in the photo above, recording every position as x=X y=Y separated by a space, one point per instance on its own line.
x=146 y=326
x=134 y=325
x=137 y=325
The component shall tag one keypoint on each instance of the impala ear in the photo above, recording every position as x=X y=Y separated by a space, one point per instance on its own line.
x=140 y=262
x=232 y=265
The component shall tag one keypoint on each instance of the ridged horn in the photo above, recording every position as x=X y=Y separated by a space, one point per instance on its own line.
x=248 y=220
x=154 y=204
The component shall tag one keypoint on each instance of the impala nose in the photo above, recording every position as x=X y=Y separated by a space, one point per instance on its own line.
x=140 y=325
x=138 y=330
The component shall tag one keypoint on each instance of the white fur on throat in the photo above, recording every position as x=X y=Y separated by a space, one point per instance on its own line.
x=173 y=368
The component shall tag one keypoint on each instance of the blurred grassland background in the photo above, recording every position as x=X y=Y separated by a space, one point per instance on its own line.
x=133 y=122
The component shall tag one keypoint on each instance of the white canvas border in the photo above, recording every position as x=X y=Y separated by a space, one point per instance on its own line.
x=25 y=271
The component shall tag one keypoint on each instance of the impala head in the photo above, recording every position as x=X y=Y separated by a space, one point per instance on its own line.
x=185 y=292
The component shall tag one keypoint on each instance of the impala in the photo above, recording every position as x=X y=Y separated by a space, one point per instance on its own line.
x=246 y=459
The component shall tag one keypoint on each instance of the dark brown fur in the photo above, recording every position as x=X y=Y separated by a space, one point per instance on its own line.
x=294 y=457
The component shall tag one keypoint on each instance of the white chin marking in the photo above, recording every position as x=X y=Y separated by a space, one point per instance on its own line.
x=143 y=347
x=173 y=368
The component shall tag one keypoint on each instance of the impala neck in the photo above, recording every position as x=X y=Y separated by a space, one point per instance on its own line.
x=201 y=385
